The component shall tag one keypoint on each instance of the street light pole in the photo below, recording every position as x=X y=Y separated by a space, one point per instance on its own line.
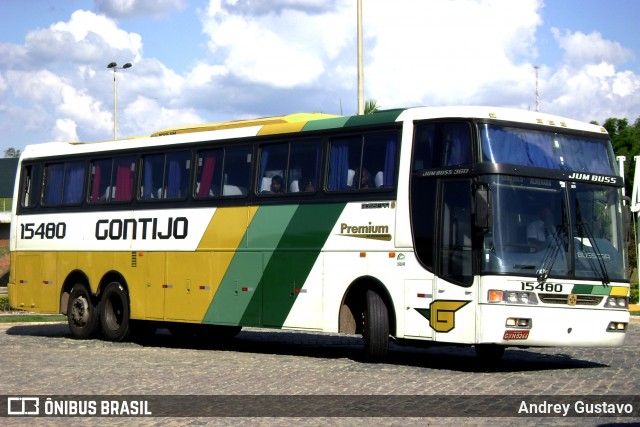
x=360 y=63
x=115 y=67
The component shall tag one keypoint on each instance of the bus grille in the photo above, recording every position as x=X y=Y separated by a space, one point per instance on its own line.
x=564 y=299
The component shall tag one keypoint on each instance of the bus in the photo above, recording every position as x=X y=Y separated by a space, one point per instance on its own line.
x=474 y=226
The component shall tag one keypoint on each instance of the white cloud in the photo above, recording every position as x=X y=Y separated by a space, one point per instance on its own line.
x=445 y=52
x=85 y=38
x=283 y=56
x=65 y=130
x=148 y=114
x=587 y=84
x=285 y=49
x=583 y=48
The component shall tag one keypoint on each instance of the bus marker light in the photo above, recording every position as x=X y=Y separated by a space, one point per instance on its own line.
x=363 y=254
x=495 y=296
x=392 y=254
x=206 y=288
x=421 y=295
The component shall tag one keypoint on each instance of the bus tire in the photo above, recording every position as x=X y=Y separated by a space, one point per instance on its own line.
x=114 y=312
x=376 y=328
x=82 y=314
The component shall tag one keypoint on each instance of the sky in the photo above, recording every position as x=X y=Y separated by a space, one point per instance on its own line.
x=199 y=61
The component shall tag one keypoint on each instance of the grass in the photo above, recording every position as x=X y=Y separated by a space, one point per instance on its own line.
x=32 y=318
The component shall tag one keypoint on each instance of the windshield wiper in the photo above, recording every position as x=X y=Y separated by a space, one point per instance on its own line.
x=551 y=253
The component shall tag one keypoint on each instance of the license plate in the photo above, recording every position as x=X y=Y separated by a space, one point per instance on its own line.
x=515 y=335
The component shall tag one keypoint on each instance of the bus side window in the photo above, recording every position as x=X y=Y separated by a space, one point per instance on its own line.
x=176 y=180
x=64 y=183
x=344 y=158
x=27 y=184
x=152 y=173
x=273 y=169
x=379 y=159
x=100 y=181
x=363 y=163
x=237 y=170
x=209 y=173
x=304 y=160
x=440 y=145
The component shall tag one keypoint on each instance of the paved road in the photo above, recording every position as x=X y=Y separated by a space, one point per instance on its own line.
x=42 y=359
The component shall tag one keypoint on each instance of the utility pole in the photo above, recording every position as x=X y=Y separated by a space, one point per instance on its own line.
x=114 y=67
x=360 y=63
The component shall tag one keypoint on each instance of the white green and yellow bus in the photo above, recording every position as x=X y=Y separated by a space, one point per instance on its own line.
x=476 y=226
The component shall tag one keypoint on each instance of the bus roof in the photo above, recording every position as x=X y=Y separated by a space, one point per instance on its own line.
x=304 y=122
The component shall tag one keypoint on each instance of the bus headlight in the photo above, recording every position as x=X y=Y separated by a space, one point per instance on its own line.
x=617 y=302
x=511 y=297
x=617 y=327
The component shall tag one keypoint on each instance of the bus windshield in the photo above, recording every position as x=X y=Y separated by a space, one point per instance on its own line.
x=528 y=147
x=554 y=228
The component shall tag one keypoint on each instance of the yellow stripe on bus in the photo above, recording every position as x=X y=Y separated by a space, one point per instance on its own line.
x=619 y=291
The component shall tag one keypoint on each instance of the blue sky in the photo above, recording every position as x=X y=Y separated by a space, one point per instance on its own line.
x=200 y=61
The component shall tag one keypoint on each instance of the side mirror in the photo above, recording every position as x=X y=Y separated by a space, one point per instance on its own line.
x=483 y=208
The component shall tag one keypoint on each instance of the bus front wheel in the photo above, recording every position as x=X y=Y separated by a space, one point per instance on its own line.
x=114 y=312
x=82 y=314
x=376 y=328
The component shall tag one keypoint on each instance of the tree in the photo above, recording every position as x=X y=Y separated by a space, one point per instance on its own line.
x=371 y=106
x=11 y=152
x=626 y=142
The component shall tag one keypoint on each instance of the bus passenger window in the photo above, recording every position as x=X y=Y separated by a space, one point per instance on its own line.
x=209 y=173
x=273 y=164
x=363 y=163
x=165 y=176
x=64 y=183
x=344 y=158
x=237 y=169
x=304 y=159
x=112 y=180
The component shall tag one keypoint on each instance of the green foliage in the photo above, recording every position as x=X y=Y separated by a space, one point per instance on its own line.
x=626 y=142
x=633 y=298
x=11 y=152
x=371 y=106
x=4 y=303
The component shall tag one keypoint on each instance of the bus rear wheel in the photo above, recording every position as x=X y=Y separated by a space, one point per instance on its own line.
x=376 y=328
x=82 y=314
x=114 y=312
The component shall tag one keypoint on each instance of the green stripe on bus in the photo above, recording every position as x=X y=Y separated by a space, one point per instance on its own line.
x=382 y=117
x=323 y=124
x=259 y=287
x=591 y=289
x=235 y=298
x=289 y=267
